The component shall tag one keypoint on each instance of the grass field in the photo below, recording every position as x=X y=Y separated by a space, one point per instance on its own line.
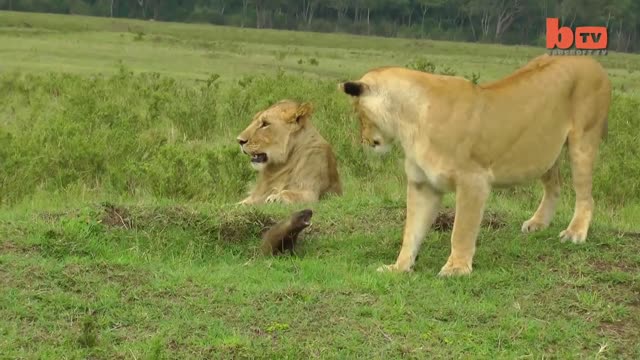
x=119 y=238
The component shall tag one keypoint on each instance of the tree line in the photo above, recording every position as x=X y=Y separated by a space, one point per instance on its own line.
x=500 y=21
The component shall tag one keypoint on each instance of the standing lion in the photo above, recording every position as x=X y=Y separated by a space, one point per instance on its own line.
x=295 y=163
x=466 y=138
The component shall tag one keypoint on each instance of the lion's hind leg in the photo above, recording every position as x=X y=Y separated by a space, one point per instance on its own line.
x=547 y=207
x=583 y=147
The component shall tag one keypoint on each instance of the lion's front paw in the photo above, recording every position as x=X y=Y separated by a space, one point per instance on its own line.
x=576 y=237
x=393 y=268
x=455 y=269
x=532 y=225
x=274 y=198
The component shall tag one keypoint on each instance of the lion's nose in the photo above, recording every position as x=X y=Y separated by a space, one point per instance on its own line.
x=241 y=141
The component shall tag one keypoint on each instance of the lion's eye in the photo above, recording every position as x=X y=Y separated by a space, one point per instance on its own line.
x=264 y=124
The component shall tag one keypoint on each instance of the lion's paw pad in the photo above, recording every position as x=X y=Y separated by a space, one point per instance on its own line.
x=454 y=270
x=575 y=237
x=533 y=225
x=272 y=199
x=392 y=268
x=386 y=268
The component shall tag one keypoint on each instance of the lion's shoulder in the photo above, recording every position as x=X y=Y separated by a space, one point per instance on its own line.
x=312 y=161
x=411 y=81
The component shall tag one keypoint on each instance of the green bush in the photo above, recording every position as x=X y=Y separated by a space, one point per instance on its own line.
x=128 y=133
x=424 y=65
x=145 y=133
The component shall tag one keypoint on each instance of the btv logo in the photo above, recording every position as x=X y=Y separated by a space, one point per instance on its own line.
x=586 y=37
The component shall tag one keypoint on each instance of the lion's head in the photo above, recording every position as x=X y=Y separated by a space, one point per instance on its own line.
x=370 y=132
x=270 y=136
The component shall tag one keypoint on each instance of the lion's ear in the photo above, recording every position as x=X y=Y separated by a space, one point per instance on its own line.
x=303 y=112
x=256 y=115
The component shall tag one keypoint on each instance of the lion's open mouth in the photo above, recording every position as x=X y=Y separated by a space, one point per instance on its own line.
x=259 y=158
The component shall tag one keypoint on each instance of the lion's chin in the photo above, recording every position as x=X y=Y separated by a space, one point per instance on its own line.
x=381 y=149
x=258 y=166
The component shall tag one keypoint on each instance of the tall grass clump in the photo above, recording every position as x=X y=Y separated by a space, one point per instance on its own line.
x=125 y=133
x=618 y=165
x=424 y=65
x=129 y=134
x=145 y=134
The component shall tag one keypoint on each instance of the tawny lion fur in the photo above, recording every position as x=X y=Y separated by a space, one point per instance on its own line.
x=465 y=138
x=300 y=164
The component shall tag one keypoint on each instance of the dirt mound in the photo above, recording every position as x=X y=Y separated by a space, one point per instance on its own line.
x=116 y=216
x=444 y=221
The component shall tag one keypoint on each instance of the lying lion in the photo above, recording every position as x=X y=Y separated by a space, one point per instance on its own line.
x=295 y=163
x=465 y=138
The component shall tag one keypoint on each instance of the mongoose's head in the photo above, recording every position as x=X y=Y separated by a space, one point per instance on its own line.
x=301 y=219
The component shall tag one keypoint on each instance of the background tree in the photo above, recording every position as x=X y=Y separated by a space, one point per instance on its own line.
x=425 y=6
x=502 y=21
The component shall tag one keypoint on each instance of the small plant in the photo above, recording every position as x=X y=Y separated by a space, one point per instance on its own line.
x=138 y=31
x=212 y=79
x=245 y=81
x=474 y=77
x=89 y=336
x=83 y=225
x=139 y=36
x=314 y=62
x=422 y=65
x=447 y=71
x=156 y=349
x=277 y=327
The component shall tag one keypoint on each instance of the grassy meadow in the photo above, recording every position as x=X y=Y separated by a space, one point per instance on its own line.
x=119 y=237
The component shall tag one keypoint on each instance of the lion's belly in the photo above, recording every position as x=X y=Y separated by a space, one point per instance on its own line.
x=527 y=159
x=524 y=144
x=519 y=154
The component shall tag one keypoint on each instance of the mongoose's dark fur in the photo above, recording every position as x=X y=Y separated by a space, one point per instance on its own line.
x=284 y=235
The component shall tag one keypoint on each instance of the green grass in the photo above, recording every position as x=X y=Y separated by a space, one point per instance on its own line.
x=119 y=237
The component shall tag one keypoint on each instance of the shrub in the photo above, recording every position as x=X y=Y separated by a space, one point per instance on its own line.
x=128 y=133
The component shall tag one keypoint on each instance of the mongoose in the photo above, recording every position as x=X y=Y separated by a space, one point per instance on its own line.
x=283 y=235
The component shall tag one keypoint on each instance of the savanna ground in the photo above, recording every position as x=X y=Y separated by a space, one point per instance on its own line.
x=119 y=237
